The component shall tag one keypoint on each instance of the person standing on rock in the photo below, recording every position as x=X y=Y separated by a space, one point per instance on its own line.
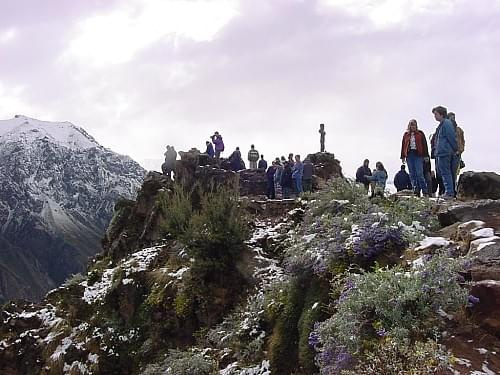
x=271 y=192
x=262 y=163
x=277 y=178
x=379 y=177
x=235 y=160
x=458 y=162
x=218 y=143
x=297 y=173
x=363 y=171
x=210 y=149
x=287 y=180
x=446 y=150
x=253 y=157
x=307 y=175
x=402 y=180
x=170 y=158
x=413 y=151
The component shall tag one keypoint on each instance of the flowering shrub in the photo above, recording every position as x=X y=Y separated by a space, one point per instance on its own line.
x=374 y=241
x=389 y=304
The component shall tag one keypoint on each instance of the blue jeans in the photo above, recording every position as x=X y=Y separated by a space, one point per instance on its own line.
x=446 y=164
x=298 y=185
x=416 y=169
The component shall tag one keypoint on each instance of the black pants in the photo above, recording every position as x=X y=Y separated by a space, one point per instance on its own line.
x=271 y=193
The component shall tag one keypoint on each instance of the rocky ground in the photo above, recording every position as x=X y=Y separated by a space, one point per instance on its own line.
x=174 y=297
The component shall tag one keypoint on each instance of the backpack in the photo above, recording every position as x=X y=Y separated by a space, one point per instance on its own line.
x=460 y=139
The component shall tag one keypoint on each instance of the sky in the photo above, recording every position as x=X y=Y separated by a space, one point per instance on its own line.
x=142 y=74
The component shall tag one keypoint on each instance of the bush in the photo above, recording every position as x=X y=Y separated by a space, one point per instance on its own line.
x=393 y=359
x=177 y=211
x=183 y=363
x=394 y=304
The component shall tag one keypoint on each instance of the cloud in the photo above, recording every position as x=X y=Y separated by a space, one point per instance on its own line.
x=7 y=35
x=117 y=36
x=262 y=72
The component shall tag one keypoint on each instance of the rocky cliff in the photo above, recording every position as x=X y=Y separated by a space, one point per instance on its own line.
x=197 y=280
x=57 y=194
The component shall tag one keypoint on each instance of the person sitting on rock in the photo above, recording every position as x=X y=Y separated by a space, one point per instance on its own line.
x=379 y=177
x=271 y=192
x=253 y=157
x=297 y=173
x=307 y=175
x=262 y=163
x=210 y=149
x=402 y=180
x=363 y=171
x=219 y=144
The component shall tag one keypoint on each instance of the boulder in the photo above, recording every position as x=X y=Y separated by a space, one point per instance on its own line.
x=479 y=185
x=252 y=182
x=325 y=165
x=486 y=210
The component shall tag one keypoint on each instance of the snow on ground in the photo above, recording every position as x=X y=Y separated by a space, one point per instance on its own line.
x=98 y=290
x=483 y=233
x=432 y=242
x=178 y=274
x=137 y=262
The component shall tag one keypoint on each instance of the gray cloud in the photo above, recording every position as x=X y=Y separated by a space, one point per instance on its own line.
x=270 y=76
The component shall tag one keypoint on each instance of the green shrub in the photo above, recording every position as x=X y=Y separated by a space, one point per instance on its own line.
x=183 y=363
x=177 y=211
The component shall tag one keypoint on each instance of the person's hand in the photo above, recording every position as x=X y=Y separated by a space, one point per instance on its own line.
x=403 y=160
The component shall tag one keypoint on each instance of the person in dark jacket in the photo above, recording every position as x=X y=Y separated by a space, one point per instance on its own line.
x=262 y=163
x=413 y=151
x=169 y=164
x=446 y=150
x=235 y=160
x=286 y=180
x=271 y=192
x=219 y=144
x=210 y=149
x=363 y=171
x=307 y=175
x=402 y=180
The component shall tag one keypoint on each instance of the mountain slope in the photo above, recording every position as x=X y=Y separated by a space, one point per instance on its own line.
x=57 y=195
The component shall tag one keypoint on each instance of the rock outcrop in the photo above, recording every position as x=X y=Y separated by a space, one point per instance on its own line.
x=479 y=185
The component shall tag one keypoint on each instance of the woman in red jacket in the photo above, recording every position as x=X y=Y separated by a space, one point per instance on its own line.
x=413 y=151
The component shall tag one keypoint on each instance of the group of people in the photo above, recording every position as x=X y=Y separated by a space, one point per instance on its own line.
x=287 y=177
x=284 y=177
x=447 y=146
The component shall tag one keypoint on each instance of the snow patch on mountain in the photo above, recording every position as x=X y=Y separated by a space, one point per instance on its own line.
x=25 y=129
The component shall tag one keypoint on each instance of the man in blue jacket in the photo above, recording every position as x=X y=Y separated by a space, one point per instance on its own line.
x=446 y=150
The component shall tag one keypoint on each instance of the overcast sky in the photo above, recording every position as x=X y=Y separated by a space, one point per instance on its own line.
x=141 y=74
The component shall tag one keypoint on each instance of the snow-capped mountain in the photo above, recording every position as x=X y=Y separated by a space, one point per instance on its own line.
x=57 y=193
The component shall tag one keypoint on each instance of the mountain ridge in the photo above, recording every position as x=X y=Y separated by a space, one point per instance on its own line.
x=57 y=196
